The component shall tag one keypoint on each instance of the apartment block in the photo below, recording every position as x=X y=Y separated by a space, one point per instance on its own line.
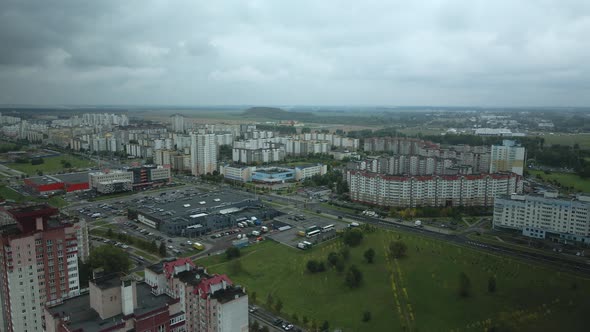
x=209 y=302
x=435 y=190
x=545 y=216
x=39 y=259
x=508 y=157
x=203 y=154
x=116 y=303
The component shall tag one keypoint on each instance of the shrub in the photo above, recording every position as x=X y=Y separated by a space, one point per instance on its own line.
x=353 y=237
x=397 y=249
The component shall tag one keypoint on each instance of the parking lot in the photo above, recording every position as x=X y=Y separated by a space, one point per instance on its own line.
x=301 y=222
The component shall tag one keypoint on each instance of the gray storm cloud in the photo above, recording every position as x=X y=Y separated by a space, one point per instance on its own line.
x=489 y=53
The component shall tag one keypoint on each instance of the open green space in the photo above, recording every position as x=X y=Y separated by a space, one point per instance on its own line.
x=568 y=139
x=52 y=165
x=416 y=293
x=565 y=180
x=9 y=193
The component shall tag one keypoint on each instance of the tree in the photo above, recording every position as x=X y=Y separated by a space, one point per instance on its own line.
x=109 y=258
x=110 y=232
x=235 y=267
x=353 y=237
x=366 y=316
x=397 y=249
x=304 y=320
x=370 y=255
x=153 y=246
x=340 y=266
x=464 y=285
x=325 y=326
x=253 y=297
x=255 y=326
x=314 y=266
x=279 y=305
x=345 y=253
x=162 y=249
x=269 y=300
x=264 y=329
x=492 y=284
x=232 y=252
x=353 y=277
x=333 y=259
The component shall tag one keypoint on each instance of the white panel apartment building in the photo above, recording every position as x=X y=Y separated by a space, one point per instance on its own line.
x=508 y=157
x=203 y=154
x=547 y=215
x=415 y=191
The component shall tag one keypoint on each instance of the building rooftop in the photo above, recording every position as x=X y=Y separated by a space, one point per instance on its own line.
x=86 y=319
x=41 y=180
x=192 y=277
x=228 y=294
x=179 y=205
x=107 y=281
x=78 y=177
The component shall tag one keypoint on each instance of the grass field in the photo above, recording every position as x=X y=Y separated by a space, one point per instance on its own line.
x=52 y=165
x=568 y=139
x=9 y=193
x=416 y=293
x=566 y=180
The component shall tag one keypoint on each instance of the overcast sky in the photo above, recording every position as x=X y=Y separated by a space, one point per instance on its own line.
x=468 y=52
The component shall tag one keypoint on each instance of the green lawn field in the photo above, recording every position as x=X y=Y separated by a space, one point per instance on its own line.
x=566 y=180
x=52 y=165
x=8 y=193
x=415 y=293
x=568 y=139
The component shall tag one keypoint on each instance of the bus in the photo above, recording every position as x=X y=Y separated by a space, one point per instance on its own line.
x=327 y=228
x=198 y=246
x=313 y=233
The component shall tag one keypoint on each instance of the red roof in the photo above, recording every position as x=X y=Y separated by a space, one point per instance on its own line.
x=205 y=285
x=169 y=267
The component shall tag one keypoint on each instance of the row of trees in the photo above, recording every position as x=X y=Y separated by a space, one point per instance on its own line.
x=332 y=179
x=465 y=290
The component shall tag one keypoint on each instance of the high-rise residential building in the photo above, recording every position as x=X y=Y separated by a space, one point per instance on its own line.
x=38 y=265
x=545 y=216
x=177 y=123
x=508 y=157
x=116 y=303
x=203 y=154
x=209 y=302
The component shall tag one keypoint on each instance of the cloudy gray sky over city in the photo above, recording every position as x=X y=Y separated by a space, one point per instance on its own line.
x=464 y=52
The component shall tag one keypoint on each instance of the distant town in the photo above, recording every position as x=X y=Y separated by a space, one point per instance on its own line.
x=269 y=219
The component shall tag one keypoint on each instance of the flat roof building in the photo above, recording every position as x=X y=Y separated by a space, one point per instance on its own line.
x=116 y=304
x=197 y=213
x=545 y=216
